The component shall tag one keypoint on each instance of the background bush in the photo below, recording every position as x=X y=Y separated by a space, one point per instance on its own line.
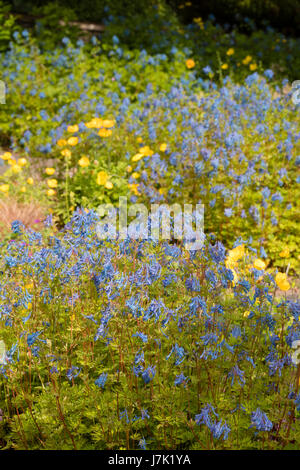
x=281 y=14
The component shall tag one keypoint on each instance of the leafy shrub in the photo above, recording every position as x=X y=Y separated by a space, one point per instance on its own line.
x=7 y=25
x=50 y=19
x=281 y=14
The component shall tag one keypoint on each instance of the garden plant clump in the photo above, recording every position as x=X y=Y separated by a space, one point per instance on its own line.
x=144 y=344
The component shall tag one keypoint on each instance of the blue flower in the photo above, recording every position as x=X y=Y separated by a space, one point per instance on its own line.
x=148 y=374
x=142 y=336
x=208 y=417
x=100 y=382
x=260 y=420
x=207 y=70
x=142 y=444
x=179 y=379
x=73 y=372
x=236 y=372
x=17 y=227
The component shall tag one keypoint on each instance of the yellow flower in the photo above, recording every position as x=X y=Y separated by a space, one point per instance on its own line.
x=95 y=123
x=259 y=264
x=50 y=171
x=246 y=314
x=230 y=51
x=4 y=188
x=51 y=192
x=282 y=282
x=129 y=169
x=22 y=161
x=230 y=263
x=66 y=153
x=30 y=180
x=163 y=147
x=108 y=123
x=72 y=141
x=233 y=256
x=247 y=60
x=23 y=189
x=139 y=140
x=102 y=178
x=109 y=185
x=73 y=129
x=84 y=161
x=134 y=188
x=285 y=253
x=146 y=151
x=237 y=252
x=61 y=142
x=190 y=63
x=52 y=183
x=105 y=132
x=6 y=156
x=135 y=175
x=16 y=168
x=252 y=67
x=224 y=66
